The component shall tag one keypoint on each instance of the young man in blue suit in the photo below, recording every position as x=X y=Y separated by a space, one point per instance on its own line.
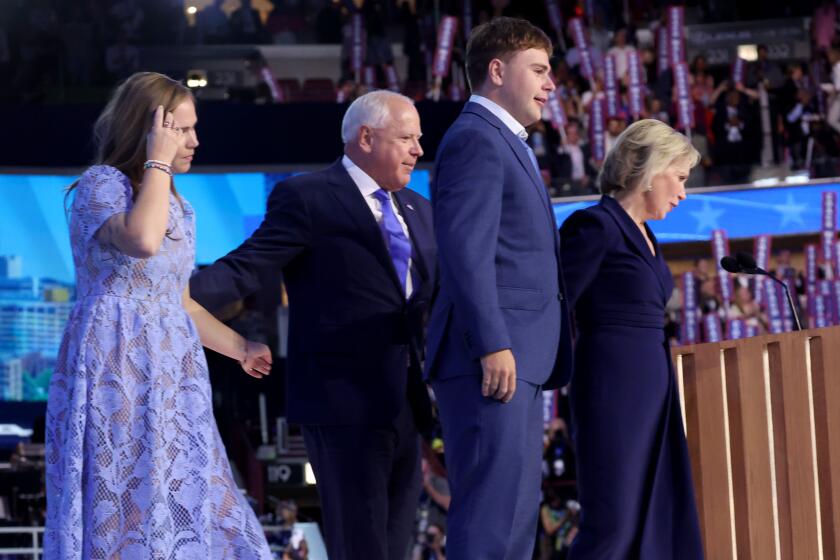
x=358 y=258
x=499 y=331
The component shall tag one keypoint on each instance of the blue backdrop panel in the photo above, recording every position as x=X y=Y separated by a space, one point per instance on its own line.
x=35 y=258
x=742 y=213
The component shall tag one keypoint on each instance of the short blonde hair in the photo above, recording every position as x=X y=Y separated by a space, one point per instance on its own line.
x=648 y=147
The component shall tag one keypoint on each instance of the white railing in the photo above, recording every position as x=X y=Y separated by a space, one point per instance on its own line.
x=34 y=551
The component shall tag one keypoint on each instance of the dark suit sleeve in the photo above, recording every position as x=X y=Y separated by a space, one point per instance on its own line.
x=588 y=168
x=467 y=205
x=584 y=242
x=284 y=233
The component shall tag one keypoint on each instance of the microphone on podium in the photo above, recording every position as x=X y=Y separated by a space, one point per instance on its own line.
x=745 y=263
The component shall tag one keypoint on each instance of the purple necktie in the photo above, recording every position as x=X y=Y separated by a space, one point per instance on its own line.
x=398 y=244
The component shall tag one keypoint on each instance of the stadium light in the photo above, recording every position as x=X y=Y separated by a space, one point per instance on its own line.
x=308 y=474
x=748 y=52
x=196 y=79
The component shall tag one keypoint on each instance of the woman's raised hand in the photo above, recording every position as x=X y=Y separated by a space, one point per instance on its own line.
x=164 y=139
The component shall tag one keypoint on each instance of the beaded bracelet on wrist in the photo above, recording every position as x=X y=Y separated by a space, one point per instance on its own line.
x=157 y=165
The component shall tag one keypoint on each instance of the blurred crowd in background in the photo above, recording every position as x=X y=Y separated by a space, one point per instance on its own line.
x=770 y=113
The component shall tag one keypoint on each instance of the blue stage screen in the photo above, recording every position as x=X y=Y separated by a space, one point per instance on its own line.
x=37 y=282
x=742 y=213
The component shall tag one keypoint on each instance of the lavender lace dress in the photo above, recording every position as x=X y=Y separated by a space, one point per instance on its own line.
x=135 y=465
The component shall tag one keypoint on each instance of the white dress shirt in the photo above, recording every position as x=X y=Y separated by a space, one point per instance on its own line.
x=501 y=113
x=368 y=187
x=622 y=59
x=575 y=153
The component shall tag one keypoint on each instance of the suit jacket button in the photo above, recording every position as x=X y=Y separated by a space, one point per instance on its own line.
x=559 y=296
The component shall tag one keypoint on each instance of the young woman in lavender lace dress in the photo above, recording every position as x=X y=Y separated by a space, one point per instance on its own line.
x=135 y=465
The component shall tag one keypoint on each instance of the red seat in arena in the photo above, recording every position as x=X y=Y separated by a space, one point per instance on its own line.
x=415 y=90
x=289 y=89
x=318 y=89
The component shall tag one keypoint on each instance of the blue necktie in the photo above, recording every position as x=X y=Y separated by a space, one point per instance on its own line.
x=398 y=243
x=531 y=155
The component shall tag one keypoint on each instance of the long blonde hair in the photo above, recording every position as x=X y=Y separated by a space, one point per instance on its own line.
x=119 y=133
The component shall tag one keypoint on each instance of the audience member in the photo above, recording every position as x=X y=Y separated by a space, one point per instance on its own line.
x=246 y=25
x=824 y=25
x=620 y=51
x=212 y=25
x=412 y=41
x=559 y=456
x=764 y=71
x=573 y=56
x=574 y=169
x=378 y=53
x=615 y=126
x=798 y=123
x=656 y=110
x=703 y=84
x=285 y=22
x=734 y=127
x=436 y=490
x=745 y=308
x=559 y=521
x=598 y=36
x=702 y=271
x=709 y=301
x=122 y=59
x=833 y=118
x=127 y=19
x=291 y=539
x=329 y=21
x=166 y=22
x=432 y=547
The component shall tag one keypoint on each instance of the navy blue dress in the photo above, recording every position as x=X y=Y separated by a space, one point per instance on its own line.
x=634 y=476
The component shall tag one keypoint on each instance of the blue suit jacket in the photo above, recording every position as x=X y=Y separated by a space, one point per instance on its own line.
x=501 y=284
x=354 y=340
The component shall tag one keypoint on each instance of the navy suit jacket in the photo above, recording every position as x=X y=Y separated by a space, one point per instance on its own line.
x=355 y=343
x=501 y=284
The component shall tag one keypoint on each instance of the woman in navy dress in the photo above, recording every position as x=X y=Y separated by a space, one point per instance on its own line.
x=634 y=476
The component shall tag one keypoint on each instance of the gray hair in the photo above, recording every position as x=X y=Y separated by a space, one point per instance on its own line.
x=371 y=109
x=648 y=147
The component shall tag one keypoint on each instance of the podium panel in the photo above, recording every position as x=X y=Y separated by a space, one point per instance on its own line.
x=762 y=419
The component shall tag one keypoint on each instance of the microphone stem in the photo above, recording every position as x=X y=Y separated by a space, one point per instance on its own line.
x=784 y=285
x=792 y=309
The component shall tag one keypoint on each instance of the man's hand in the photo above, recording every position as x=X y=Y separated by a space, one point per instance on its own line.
x=257 y=360
x=499 y=380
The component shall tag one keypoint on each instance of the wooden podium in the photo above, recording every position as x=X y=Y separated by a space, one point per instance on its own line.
x=762 y=418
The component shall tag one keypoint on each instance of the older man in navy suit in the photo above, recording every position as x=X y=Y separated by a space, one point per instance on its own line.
x=358 y=257
x=499 y=318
